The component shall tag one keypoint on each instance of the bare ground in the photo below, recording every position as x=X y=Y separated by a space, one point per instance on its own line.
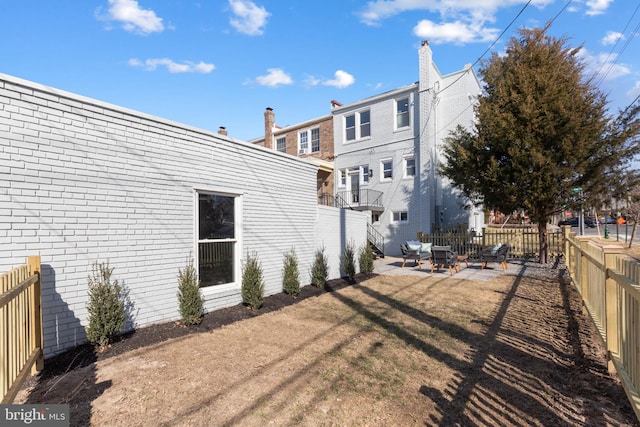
x=387 y=350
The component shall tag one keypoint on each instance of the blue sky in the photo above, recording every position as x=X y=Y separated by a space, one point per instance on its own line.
x=221 y=63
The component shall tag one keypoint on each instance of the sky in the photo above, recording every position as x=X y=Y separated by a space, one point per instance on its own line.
x=212 y=63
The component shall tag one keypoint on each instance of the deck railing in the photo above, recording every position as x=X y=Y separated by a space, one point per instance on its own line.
x=609 y=283
x=21 y=331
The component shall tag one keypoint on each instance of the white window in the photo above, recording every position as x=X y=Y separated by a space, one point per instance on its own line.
x=357 y=125
x=365 y=174
x=409 y=167
x=281 y=144
x=303 y=142
x=343 y=178
x=402 y=113
x=315 y=140
x=400 y=216
x=217 y=229
x=386 y=170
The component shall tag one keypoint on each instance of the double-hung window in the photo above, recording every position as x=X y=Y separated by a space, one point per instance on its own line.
x=386 y=170
x=402 y=113
x=400 y=216
x=281 y=144
x=303 y=142
x=357 y=125
x=315 y=140
x=409 y=167
x=217 y=238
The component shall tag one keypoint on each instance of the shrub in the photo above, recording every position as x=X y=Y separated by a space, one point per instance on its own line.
x=191 y=305
x=290 y=274
x=106 y=306
x=252 y=282
x=366 y=259
x=320 y=269
x=348 y=263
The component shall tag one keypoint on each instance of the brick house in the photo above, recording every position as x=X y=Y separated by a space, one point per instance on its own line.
x=311 y=140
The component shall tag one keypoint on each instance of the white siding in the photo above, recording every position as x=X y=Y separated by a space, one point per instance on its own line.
x=84 y=181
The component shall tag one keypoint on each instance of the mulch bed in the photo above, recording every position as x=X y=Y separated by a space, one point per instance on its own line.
x=86 y=354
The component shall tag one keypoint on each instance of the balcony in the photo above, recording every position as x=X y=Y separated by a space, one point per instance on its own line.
x=360 y=200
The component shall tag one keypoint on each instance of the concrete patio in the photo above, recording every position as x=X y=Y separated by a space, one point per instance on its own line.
x=392 y=266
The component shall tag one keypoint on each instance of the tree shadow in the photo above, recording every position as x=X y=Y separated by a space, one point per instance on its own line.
x=75 y=383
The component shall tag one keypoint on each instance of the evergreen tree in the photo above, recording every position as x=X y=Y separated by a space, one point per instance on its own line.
x=366 y=259
x=290 y=274
x=541 y=132
x=348 y=262
x=190 y=303
x=252 y=282
x=106 y=306
x=320 y=269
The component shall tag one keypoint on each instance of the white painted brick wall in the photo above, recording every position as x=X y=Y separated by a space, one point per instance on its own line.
x=84 y=181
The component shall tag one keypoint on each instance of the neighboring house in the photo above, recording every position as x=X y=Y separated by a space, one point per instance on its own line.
x=311 y=140
x=387 y=149
x=83 y=181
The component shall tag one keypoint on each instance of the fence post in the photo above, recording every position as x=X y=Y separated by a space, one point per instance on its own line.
x=36 y=315
x=611 y=305
x=584 y=280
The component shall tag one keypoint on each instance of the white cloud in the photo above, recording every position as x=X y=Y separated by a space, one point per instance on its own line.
x=275 y=77
x=597 y=7
x=249 y=19
x=634 y=91
x=612 y=37
x=342 y=80
x=311 y=81
x=133 y=18
x=603 y=64
x=173 y=67
x=453 y=32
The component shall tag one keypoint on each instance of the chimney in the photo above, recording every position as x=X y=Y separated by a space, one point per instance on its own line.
x=269 y=124
x=335 y=104
x=222 y=130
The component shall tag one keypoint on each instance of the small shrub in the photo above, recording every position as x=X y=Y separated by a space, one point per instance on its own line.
x=191 y=305
x=106 y=306
x=366 y=259
x=290 y=274
x=348 y=262
x=252 y=282
x=320 y=269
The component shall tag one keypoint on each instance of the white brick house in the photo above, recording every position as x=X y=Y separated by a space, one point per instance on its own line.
x=387 y=148
x=84 y=181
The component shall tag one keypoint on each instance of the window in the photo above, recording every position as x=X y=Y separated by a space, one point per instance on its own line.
x=386 y=170
x=365 y=174
x=303 y=142
x=350 y=126
x=365 y=124
x=400 y=216
x=402 y=113
x=217 y=238
x=409 y=167
x=281 y=144
x=357 y=125
x=375 y=217
x=315 y=140
x=343 y=178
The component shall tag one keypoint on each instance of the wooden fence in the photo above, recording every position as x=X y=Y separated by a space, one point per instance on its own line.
x=608 y=282
x=21 y=334
x=524 y=241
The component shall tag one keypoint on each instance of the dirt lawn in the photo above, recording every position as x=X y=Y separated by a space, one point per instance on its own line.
x=386 y=351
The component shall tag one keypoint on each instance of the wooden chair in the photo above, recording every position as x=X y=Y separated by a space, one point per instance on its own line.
x=415 y=255
x=498 y=254
x=445 y=257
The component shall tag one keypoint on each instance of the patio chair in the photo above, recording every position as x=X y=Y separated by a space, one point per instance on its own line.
x=498 y=253
x=415 y=254
x=445 y=257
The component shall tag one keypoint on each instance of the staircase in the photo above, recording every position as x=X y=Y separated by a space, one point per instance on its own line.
x=376 y=241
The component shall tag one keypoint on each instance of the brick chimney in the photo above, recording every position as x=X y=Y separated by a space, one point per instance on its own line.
x=269 y=125
x=222 y=131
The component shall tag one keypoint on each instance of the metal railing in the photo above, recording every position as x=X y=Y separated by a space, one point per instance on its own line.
x=375 y=239
x=362 y=198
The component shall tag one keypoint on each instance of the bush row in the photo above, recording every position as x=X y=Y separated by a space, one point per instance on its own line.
x=108 y=299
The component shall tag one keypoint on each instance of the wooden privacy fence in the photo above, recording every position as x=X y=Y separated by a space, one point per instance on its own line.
x=524 y=241
x=608 y=282
x=21 y=334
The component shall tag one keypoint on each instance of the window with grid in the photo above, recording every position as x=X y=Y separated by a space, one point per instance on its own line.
x=281 y=144
x=386 y=170
x=315 y=140
x=304 y=142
